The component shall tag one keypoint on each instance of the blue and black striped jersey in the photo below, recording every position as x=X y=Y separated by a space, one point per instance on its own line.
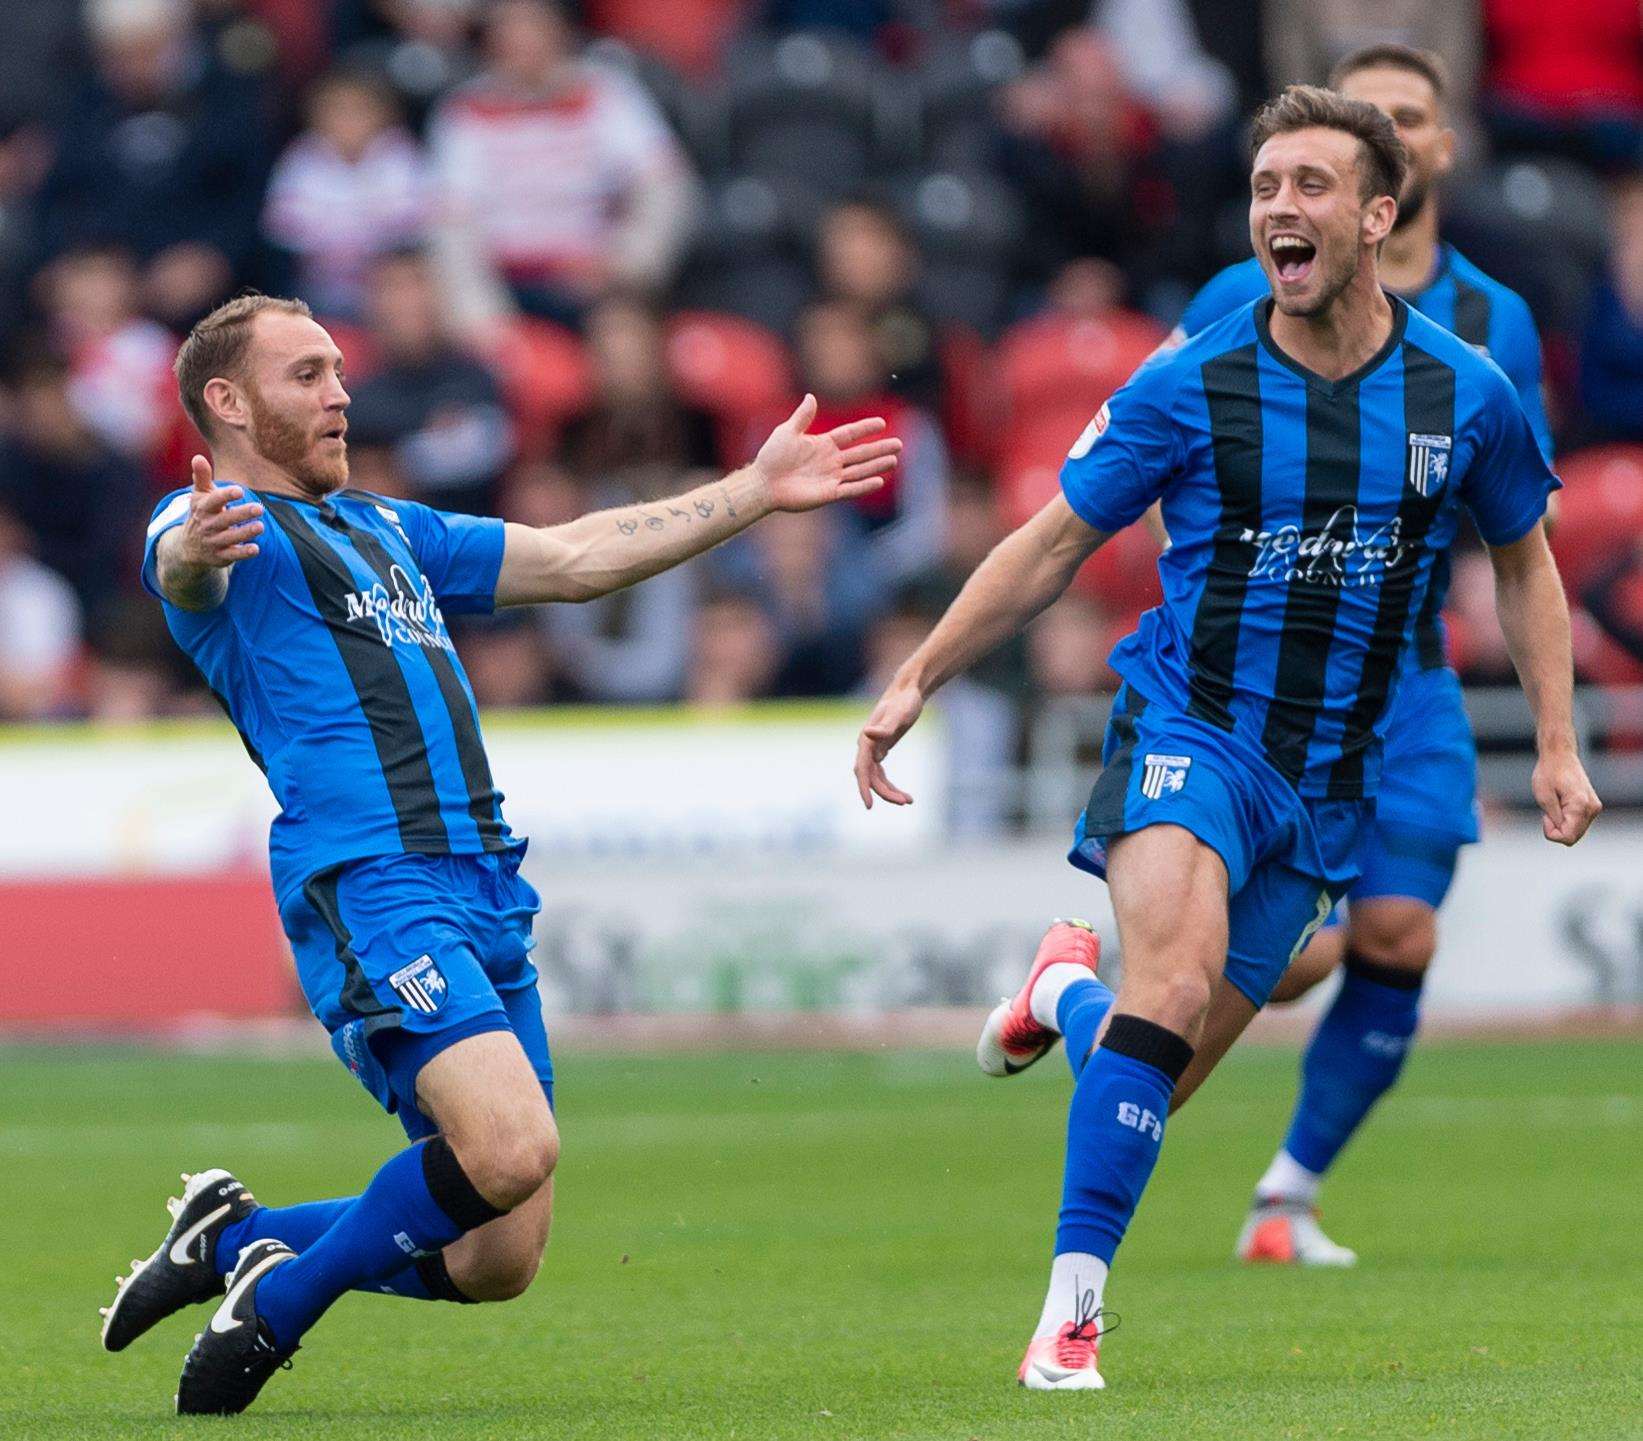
x=1484 y=313
x=1306 y=517
x=330 y=654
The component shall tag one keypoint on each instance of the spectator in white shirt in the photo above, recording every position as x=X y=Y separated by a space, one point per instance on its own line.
x=558 y=178
x=41 y=638
x=351 y=187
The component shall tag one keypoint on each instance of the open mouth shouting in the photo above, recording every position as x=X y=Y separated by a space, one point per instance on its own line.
x=1293 y=256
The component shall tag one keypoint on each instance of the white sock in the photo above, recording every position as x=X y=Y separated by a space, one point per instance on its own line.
x=1288 y=1178
x=1077 y=1280
x=1047 y=989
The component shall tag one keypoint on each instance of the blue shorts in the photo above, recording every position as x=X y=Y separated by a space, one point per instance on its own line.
x=402 y=956
x=1427 y=808
x=1288 y=858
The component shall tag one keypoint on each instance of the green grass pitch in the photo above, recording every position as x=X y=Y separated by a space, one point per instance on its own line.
x=840 y=1245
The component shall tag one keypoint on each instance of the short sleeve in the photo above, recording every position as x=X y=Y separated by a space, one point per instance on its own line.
x=1517 y=352
x=1508 y=481
x=171 y=511
x=1127 y=453
x=461 y=555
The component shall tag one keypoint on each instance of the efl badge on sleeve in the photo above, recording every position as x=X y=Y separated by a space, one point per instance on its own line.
x=1164 y=775
x=420 y=985
x=1429 y=462
x=1092 y=433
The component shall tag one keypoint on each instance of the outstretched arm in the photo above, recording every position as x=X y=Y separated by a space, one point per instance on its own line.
x=610 y=549
x=192 y=560
x=1534 y=616
x=1025 y=572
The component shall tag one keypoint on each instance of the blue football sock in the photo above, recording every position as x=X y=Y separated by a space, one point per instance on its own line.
x=299 y=1227
x=419 y=1202
x=1078 y=1016
x=1114 y=1130
x=1355 y=1056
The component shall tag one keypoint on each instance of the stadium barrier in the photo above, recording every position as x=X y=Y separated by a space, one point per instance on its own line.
x=689 y=866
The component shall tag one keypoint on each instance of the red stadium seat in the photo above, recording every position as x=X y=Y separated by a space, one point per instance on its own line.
x=545 y=378
x=1601 y=508
x=689 y=34
x=1054 y=373
x=729 y=366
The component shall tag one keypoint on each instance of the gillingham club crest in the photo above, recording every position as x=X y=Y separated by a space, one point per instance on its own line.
x=420 y=985
x=1428 y=462
x=1164 y=775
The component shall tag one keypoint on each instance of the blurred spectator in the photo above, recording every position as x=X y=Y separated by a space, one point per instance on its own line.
x=1157 y=46
x=164 y=152
x=438 y=408
x=1477 y=646
x=864 y=19
x=82 y=503
x=557 y=177
x=1079 y=147
x=120 y=377
x=840 y=361
x=808 y=571
x=865 y=255
x=24 y=157
x=734 y=654
x=1306 y=39
x=1067 y=649
x=978 y=723
x=422 y=47
x=506 y=660
x=350 y=187
x=637 y=433
x=133 y=667
x=973 y=528
x=1567 y=80
x=41 y=45
x=41 y=637
x=1611 y=361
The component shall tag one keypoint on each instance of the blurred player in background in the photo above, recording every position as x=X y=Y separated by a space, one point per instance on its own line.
x=315 y=614
x=1427 y=807
x=1312 y=452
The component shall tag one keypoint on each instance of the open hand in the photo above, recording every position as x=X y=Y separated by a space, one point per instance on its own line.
x=217 y=532
x=803 y=471
x=892 y=718
x=1568 y=804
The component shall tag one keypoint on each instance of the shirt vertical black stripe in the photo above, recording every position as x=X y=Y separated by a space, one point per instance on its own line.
x=1298 y=688
x=1428 y=409
x=470 y=748
x=1232 y=390
x=1473 y=312
x=384 y=694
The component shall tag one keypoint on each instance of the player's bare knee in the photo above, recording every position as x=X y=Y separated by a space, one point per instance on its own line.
x=1404 y=939
x=1176 y=1000
x=515 y=1169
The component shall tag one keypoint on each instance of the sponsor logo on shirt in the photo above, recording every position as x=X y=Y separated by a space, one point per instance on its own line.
x=408 y=615
x=1338 y=555
x=1092 y=433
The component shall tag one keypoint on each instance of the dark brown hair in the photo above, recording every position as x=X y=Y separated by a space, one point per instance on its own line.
x=1382 y=160
x=1425 y=63
x=216 y=346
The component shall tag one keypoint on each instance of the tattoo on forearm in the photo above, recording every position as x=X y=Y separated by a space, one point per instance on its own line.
x=627 y=527
x=730 y=505
x=704 y=508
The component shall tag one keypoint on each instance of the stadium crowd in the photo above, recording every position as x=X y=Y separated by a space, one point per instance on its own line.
x=575 y=254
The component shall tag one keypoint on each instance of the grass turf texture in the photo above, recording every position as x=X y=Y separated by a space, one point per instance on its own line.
x=768 y=1246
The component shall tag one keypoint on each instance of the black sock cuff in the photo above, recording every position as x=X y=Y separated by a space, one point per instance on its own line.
x=436 y=1276
x=451 y=1189
x=1397 y=979
x=1149 y=1043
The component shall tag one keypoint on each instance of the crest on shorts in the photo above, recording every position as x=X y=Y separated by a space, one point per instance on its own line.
x=1164 y=775
x=420 y=985
x=1428 y=462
